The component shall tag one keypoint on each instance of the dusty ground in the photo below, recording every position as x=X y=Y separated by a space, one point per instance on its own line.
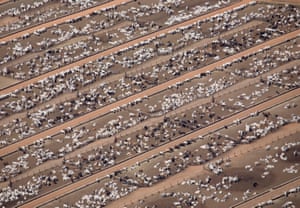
x=99 y=117
x=5 y=81
x=284 y=135
x=294 y=2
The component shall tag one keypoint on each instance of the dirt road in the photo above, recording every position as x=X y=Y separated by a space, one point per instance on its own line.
x=94 y=114
x=91 y=179
x=194 y=171
x=117 y=48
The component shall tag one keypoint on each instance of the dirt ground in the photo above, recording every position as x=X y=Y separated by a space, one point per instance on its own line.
x=187 y=138
x=5 y=82
x=294 y=2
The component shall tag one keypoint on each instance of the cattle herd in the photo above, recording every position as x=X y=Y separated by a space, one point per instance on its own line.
x=149 y=103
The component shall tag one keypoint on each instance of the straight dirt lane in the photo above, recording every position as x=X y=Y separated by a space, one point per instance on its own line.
x=117 y=48
x=3 y=1
x=91 y=179
x=94 y=114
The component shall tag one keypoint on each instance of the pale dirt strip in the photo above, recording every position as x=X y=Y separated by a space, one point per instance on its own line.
x=94 y=114
x=117 y=48
x=194 y=171
x=63 y=19
x=91 y=179
x=3 y=1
